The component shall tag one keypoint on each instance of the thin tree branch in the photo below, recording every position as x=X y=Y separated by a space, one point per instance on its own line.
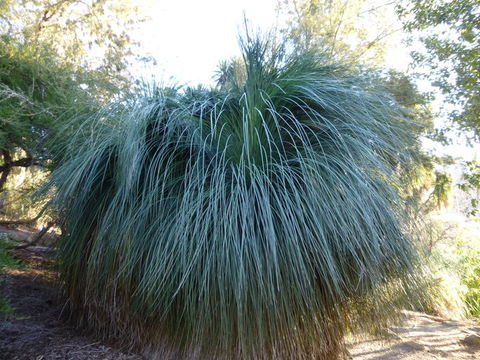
x=37 y=237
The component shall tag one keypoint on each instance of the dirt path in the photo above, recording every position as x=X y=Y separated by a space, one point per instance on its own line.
x=422 y=337
x=37 y=330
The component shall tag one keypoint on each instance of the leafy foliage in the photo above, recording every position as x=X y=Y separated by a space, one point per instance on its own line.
x=56 y=58
x=471 y=183
x=450 y=32
x=359 y=32
x=6 y=260
x=45 y=65
x=442 y=188
x=419 y=178
x=265 y=211
x=453 y=253
x=34 y=93
x=91 y=34
x=472 y=281
x=350 y=30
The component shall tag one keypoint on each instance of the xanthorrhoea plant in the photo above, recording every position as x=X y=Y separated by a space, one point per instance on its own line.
x=259 y=221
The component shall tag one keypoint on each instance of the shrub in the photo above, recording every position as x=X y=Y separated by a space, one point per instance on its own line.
x=472 y=281
x=260 y=220
x=452 y=244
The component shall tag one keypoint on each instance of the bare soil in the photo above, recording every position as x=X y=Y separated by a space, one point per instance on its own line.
x=39 y=329
x=422 y=337
x=24 y=234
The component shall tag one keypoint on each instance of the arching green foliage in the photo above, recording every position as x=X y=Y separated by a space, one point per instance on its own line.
x=259 y=221
x=361 y=31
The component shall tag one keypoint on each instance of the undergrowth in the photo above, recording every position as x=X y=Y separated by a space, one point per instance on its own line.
x=6 y=261
x=453 y=254
x=471 y=279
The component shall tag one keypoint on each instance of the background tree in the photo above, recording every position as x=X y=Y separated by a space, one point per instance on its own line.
x=34 y=93
x=349 y=30
x=450 y=33
x=91 y=34
x=57 y=58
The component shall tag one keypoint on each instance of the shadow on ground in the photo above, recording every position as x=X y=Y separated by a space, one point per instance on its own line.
x=38 y=328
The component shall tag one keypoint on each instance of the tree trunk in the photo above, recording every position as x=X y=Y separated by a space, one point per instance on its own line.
x=8 y=164
x=6 y=168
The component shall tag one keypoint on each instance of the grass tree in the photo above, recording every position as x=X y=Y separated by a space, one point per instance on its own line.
x=258 y=221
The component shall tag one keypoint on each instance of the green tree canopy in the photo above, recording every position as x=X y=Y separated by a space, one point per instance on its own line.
x=57 y=57
x=35 y=92
x=450 y=33
x=91 y=34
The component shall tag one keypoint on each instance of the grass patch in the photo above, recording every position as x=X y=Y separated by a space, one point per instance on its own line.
x=6 y=261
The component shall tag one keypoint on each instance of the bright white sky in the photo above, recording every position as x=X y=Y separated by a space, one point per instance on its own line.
x=189 y=38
